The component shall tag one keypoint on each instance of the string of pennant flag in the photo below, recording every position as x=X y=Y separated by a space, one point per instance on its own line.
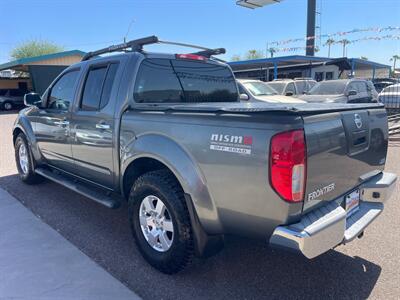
x=333 y=42
x=339 y=33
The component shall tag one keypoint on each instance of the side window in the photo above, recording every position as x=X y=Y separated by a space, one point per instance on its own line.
x=352 y=87
x=62 y=92
x=301 y=86
x=177 y=81
x=98 y=86
x=92 y=90
x=328 y=75
x=157 y=83
x=362 y=87
x=108 y=84
x=241 y=90
x=291 y=88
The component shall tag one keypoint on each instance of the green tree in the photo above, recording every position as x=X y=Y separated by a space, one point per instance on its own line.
x=254 y=54
x=236 y=57
x=364 y=58
x=33 y=48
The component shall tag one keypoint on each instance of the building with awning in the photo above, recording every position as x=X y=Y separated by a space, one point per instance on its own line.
x=318 y=68
x=36 y=73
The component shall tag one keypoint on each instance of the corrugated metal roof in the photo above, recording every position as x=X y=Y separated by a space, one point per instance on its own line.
x=30 y=60
x=298 y=59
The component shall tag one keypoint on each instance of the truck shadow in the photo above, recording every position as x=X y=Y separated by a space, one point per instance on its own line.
x=244 y=269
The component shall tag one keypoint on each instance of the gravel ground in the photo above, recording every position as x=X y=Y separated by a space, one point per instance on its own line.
x=366 y=268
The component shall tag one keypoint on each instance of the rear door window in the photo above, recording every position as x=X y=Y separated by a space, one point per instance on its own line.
x=92 y=90
x=98 y=86
x=177 y=81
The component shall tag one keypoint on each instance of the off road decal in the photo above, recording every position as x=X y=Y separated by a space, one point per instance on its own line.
x=231 y=143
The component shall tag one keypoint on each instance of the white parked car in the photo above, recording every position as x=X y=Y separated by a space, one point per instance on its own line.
x=290 y=87
x=390 y=96
x=256 y=90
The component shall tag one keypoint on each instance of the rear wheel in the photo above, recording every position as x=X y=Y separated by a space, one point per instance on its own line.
x=160 y=221
x=24 y=161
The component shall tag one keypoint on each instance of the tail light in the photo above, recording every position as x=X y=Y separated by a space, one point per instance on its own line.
x=288 y=165
x=191 y=56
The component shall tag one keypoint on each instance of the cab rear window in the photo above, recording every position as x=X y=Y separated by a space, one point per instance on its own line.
x=183 y=81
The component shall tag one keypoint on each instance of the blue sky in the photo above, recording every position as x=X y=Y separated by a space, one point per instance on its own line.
x=92 y=24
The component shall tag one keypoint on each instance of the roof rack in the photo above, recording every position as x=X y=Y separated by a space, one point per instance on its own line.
x=137 y=45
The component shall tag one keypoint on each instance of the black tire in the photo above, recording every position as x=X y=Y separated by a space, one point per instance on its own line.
x=163 y=185
x=29 y=177
x=7 y=106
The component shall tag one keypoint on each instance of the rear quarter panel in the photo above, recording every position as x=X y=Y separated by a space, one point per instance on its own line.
x=230 y=190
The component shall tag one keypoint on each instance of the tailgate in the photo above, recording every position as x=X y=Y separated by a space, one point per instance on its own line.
x=343 y=150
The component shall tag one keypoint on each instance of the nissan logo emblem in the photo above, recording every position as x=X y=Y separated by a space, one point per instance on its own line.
x=357 y=120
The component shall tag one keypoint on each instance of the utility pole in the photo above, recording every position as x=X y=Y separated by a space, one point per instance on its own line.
x=311 y=11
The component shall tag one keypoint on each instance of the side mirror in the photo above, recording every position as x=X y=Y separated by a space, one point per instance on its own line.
x=289 y=93
x=32 y=99
x=244 y=97
x=352 y=93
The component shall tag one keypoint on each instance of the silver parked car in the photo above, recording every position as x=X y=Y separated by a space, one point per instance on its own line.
x=342 y=91
x=256 y=90
x=11 y=98
x=390 y=96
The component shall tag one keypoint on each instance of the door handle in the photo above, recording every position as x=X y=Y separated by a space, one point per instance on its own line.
x=102 y=126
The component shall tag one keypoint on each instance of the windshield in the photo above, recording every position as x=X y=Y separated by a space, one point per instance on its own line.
x=259 y=89
x=328 y=88
x=277 y=86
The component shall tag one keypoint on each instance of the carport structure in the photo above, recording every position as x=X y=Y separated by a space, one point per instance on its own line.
x=43 y=69
x=307 y=66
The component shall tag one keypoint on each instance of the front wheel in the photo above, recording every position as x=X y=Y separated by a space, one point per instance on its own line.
x=24 y=161
x=160 y=221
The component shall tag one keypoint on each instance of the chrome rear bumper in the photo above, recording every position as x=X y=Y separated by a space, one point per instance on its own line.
x=328 y=226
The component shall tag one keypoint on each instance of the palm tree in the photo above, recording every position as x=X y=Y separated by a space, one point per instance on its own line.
x=271 y=51
x=394 y=59
x=254 y=54
x=345 y=43
x=329 y=43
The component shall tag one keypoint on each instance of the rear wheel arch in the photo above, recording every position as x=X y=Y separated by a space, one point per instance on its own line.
x=205 y=245
x=138 y=167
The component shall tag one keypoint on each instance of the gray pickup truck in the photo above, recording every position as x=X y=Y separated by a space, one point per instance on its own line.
x=167 y=134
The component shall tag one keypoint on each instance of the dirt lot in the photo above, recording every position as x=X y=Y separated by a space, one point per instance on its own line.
x=369 y=267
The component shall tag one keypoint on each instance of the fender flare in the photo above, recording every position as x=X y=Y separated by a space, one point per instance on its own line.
x=25 y=126
x=182 y=165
